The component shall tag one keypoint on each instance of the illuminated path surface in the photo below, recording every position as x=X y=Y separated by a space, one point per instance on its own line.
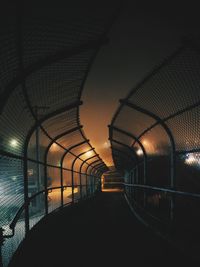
x=95 y=233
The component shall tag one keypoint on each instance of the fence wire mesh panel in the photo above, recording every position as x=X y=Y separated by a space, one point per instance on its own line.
x=46 y=57
x=159 y=121
x=11 y=244
x=36 y=209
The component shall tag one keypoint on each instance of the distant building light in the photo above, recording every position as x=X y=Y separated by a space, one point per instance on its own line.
x=59 y=164
x=192 y=159
x=30 y=172
x=14 y=143
x=139 y=152
x=14 y=178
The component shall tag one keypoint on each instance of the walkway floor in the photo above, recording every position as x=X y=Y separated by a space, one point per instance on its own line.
x=97 y=232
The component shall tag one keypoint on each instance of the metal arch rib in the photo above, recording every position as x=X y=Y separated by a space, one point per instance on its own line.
x=111 y=128
x=60 y=55
x=130 y=135
x=165 y=127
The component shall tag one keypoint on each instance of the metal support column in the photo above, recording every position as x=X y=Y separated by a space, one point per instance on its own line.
x=65 y=154
x=80 y=170
x=26 y=196
x=72 y=170
x=1 y=244
x=161 y=122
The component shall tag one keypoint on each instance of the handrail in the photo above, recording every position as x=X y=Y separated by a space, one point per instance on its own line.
x=21 y=209
x=12 y=225
x=147 y=213
x=164 y=190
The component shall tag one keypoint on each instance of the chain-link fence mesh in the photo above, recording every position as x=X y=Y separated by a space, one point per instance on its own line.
x=45 y=57
x=159 y=119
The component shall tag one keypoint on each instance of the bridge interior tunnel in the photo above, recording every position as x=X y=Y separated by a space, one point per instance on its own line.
x=52 y=107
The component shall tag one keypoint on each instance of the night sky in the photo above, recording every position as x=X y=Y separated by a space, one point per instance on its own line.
x=142 y=36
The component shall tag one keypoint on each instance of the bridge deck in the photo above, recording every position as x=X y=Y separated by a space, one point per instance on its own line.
x=100 y=231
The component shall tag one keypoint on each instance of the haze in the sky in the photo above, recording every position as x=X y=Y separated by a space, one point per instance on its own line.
x=141 y=37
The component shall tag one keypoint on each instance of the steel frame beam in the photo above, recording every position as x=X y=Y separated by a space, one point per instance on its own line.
x=86 y=173
x=58 y=56
x=167 y=130
x=72 y=170
x=160 y=121
x=99 y=171
x=95 y=169
x=80 y=170
x=138 y=142
x=21 y=79
x=54 y=140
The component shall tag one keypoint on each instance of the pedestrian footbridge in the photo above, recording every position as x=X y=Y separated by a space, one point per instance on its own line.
x=60 y=203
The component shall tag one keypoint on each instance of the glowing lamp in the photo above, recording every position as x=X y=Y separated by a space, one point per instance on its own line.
x=139 y=152
x=54 y=147
x=88 y=154
x=13 y=143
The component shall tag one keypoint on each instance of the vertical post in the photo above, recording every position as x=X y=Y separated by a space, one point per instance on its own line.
x=69 y=151
x=37 y=132
x=92 y=187
x=1 y=244
x=145 y=180
x=61 y=184
x=93 y=172
x=26 y=197
x=135 y=182
x=37 y=151
x=86 y=184
x=46 y=189
x=100 y=184
x=132 y=182
x=91 y=182
x=172 y=183
x=86 y=174
x=80 y=181
x=95 y=182
x=86 y=179
x=21 y=70
x=137 y=175
x=72 y=170
x=173 y=148
x=72 y=176
x=129 y=181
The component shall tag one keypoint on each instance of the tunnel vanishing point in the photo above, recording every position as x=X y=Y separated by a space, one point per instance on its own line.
x=52 y=176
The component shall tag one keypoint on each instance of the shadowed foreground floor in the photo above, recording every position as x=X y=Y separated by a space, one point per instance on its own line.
x=101 y=231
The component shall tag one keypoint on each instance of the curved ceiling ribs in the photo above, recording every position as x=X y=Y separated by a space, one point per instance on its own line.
x=158 y=118
x=93 y=36
x=47 y=55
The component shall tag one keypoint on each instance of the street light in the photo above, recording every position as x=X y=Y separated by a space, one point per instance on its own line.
x=88 y=154
x=14 y=143
x=139 y=152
